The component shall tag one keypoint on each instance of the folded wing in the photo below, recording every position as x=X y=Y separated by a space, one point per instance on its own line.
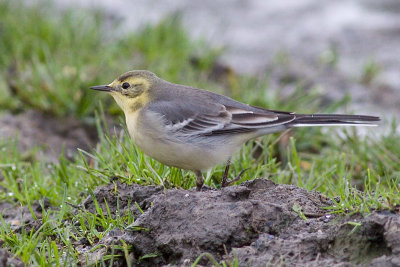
x=216 y=118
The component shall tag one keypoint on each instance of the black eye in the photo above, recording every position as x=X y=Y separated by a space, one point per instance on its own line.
x=125 y=85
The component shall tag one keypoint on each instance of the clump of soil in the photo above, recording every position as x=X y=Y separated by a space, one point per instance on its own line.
x=257 y=223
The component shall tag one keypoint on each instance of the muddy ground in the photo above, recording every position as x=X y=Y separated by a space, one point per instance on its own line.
x=257 y=223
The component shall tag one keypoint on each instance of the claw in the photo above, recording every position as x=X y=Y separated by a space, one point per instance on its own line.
x=199 y=180
x=226 y=183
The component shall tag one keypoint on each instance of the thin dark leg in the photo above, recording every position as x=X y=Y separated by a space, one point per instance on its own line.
x=226 y=172
x=225 y=181
x=199 y=180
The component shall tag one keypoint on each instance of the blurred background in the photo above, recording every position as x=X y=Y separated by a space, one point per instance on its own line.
x=358 y=39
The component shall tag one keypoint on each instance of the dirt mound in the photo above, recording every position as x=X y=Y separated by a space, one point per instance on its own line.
x=258 y=222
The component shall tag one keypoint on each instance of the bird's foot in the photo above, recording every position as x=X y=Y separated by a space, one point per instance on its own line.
x=225 y=181
x=199 y=180
x=199 y=187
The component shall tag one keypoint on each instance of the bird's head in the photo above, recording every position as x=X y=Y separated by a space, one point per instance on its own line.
x=131 y=89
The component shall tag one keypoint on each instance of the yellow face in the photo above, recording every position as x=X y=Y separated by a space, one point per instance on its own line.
x=130 y=91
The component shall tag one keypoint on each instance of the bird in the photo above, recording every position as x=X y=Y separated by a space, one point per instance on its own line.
x=195 y=129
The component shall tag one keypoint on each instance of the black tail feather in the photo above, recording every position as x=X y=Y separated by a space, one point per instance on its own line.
x=333 y=119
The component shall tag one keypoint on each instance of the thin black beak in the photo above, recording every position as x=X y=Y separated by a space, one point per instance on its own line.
x=105 y=88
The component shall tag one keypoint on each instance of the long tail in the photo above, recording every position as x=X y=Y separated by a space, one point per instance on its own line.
x=333 y=120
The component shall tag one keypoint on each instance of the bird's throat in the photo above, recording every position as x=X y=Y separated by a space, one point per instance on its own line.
x=130 y=105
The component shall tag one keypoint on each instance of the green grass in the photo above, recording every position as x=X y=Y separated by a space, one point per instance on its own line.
x=49 y=58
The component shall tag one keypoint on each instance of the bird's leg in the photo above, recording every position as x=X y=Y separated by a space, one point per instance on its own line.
x=226 y=172
x=225 y=182
x=199 y=180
